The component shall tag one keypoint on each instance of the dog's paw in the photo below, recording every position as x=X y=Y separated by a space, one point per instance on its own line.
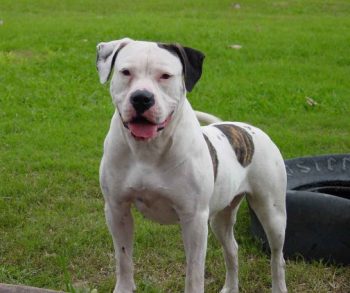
x=124 y=289
x=229 y=290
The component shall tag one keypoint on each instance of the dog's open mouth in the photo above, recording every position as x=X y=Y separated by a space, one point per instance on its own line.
x=143 y=129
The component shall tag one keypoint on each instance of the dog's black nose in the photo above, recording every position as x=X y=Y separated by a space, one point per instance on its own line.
x=142 y=100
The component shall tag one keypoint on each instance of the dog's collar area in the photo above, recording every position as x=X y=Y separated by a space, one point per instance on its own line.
x=143 y=129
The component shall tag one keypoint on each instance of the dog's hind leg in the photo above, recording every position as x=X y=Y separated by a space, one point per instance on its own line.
x=270 y=209
x=222 y=226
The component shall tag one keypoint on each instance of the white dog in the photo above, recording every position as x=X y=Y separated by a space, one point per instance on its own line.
x=158 y=158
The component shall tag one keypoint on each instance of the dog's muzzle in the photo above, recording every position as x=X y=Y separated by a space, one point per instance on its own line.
x=143 y=129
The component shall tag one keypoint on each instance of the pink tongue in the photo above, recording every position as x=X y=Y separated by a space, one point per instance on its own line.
x=143 y=130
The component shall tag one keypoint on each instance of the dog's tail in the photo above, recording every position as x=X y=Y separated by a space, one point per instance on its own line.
x=205 y=118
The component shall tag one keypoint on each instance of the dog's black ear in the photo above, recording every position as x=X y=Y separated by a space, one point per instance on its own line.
x=106 y=54
x=192 y=62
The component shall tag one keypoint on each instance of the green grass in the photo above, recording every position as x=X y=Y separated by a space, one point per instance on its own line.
x=54 y=115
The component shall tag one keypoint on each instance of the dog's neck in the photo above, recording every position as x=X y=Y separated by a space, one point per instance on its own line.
x=181 y=131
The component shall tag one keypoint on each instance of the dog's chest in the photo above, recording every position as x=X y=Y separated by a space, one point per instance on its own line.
x=151 y=193
x=155 y=206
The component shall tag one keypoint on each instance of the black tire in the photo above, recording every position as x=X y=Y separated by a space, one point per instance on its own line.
x=328 y=174
x=318 y=209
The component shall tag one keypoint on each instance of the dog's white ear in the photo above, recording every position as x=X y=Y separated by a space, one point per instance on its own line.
x=106 y=54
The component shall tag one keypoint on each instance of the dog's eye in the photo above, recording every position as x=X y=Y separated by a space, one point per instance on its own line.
x=165 y=76
x=125 y=72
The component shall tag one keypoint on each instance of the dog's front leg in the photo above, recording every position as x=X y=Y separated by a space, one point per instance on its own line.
x=195 y=233
x=120 y=224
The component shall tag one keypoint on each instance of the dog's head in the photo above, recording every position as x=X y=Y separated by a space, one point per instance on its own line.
x=148 y=81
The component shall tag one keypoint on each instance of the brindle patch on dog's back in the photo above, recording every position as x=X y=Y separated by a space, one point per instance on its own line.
x=240 y=140
x=213 y=154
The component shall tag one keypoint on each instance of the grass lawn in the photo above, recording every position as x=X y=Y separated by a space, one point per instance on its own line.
x=54 y=115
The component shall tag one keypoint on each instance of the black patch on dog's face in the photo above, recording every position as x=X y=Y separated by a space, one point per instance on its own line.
x=114 y=58
x=213 y=154
x=241 y=142
x=191 y=60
